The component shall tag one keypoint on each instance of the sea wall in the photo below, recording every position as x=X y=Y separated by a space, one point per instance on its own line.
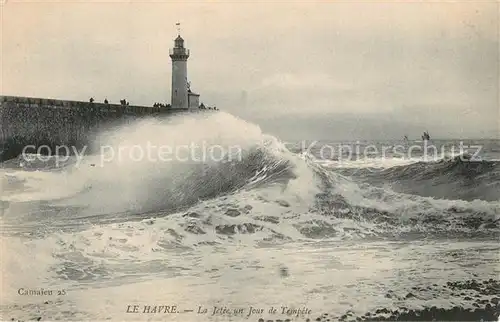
x=39 y=121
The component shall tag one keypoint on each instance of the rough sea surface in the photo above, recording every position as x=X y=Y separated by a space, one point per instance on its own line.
x=294 y=227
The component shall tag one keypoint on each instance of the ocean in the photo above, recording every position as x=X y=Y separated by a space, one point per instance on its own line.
x=269 y=230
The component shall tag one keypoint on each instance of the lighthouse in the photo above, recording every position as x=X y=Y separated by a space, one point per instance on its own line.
x=179 y=56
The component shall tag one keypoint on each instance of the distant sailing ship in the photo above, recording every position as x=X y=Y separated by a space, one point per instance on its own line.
x=425 y=138
x=406 y=141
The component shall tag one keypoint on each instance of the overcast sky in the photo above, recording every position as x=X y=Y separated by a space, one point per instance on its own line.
x=299 y=69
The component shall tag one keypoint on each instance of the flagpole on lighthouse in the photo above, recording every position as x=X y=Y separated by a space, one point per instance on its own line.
x=178 y=28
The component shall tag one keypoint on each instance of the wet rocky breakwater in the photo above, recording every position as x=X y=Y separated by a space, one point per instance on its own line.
x=479 y=298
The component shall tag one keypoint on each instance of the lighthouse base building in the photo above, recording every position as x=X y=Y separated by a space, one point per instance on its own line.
x=193 y=100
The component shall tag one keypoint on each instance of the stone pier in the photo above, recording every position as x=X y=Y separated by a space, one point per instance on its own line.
x=40 y=121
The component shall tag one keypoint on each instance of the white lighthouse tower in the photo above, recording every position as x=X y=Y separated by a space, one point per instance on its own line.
x=179 y=56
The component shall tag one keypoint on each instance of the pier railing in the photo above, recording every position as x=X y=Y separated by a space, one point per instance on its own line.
x=118 y=109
